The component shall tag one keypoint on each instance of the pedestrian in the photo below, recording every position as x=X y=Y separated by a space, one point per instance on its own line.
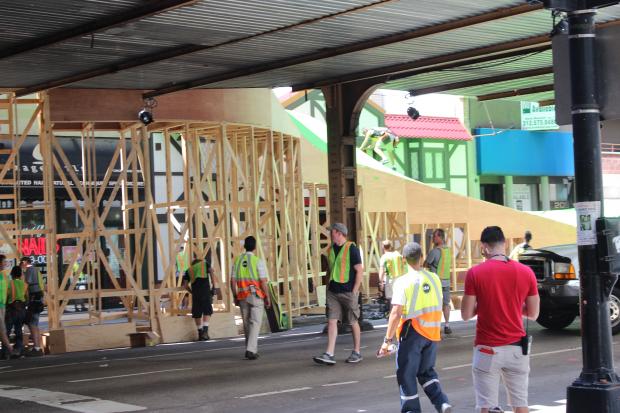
x=249 y=287
x=36 y=304
x=500 y=292
x=416 y=320
x=391 y=266
x=522 y=247
x=5 y=280
x=439 y=261
x=200 y=282
x=16 y=310
x=345 y=279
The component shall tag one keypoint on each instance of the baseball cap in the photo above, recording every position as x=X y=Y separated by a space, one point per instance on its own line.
x=340 y=227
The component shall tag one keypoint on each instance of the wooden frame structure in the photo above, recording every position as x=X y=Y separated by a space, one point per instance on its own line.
x=230 y=181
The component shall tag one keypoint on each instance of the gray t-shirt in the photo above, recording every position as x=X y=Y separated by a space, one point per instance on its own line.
x=32 y=279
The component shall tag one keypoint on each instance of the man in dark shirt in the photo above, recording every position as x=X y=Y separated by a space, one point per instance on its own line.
x=345 y=279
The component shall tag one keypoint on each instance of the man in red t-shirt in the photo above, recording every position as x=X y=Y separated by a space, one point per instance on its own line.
x=500 y=292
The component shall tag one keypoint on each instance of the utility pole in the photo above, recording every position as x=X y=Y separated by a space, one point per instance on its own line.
x=597 y=389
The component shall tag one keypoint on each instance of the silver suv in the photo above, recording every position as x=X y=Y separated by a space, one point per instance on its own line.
x=557 y=272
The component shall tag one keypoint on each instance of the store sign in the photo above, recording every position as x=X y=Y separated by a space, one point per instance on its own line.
x=560 y=205
x=536 y=117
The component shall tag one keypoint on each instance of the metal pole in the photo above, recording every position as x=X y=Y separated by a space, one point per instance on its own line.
x=598 y=388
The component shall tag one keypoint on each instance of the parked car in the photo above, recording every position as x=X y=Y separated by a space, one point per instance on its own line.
x=557 y=272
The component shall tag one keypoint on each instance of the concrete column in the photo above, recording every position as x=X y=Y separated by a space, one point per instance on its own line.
x=545 y=199
x=508 y=192
x=344 y=103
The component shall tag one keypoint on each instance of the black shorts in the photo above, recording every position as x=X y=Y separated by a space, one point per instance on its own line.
x=201 y=298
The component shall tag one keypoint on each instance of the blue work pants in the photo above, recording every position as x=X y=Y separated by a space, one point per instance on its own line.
x=415 y=360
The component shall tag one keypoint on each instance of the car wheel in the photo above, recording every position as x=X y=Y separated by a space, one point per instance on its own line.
x=555 y=320
x=614 y=311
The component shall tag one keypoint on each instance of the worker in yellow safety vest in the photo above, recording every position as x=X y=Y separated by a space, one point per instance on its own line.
x=391 y=266
x=5 y=279
x=415 y=319
x=343 y=293
x=16 y=309
x=249 y=285
x=439 y=261
x=201 y=282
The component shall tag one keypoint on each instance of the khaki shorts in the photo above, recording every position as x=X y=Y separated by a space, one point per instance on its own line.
x=507 y=363
x=343 y=304
x=446 y=296
x=389 y=288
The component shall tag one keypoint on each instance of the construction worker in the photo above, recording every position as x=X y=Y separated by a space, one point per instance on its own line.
x=383 y=141
x=391 y=266
x=439 y=261
x=81 y=284
x=16 y=309
x=5 y=279
x=522 y=247
x=416 y=320
x=345 y=279
x=249 y=287
x=182 y=262
x=36 y=303
x=200 y=281
x=182 y=265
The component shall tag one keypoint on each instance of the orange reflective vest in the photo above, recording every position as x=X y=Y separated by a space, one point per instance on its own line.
x=423 y=304
x=247 y=278
x=340 y=265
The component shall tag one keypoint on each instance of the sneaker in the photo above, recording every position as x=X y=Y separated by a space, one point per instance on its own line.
x=251 y=356
x=34 y=352
x=325 y=359
x=446 y=408
x=355 y=357
x=447 y=330
x=496 y=410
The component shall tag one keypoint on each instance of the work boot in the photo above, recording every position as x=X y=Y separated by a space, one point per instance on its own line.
x=201 y=336
x=205 y=333
x=251 y=356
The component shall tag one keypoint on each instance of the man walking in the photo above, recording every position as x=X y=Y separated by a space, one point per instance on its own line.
x=36 y=303
x=500 y=291
x=439 y=261
x=345 y=279
x=249 y=287
x=391 y=266
x=416 y=320
x=16 y=310
x=200 y=282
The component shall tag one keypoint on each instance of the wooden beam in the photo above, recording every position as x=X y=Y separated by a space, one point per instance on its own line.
x=147 y=9
x=350 y=48
x=516 y=92
x=175 y=52
x=483 y=81
x=447 y=61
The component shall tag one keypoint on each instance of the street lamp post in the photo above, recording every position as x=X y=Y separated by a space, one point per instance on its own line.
x=597 y=389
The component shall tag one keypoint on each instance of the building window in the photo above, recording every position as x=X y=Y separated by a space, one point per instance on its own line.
x=434 y=165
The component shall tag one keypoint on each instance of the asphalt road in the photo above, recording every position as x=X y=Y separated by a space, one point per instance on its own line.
x=213 y=377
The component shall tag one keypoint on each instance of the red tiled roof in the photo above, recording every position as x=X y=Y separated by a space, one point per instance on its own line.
x=427 y=127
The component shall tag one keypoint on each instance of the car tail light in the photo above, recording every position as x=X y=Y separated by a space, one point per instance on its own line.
x=564 y=271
